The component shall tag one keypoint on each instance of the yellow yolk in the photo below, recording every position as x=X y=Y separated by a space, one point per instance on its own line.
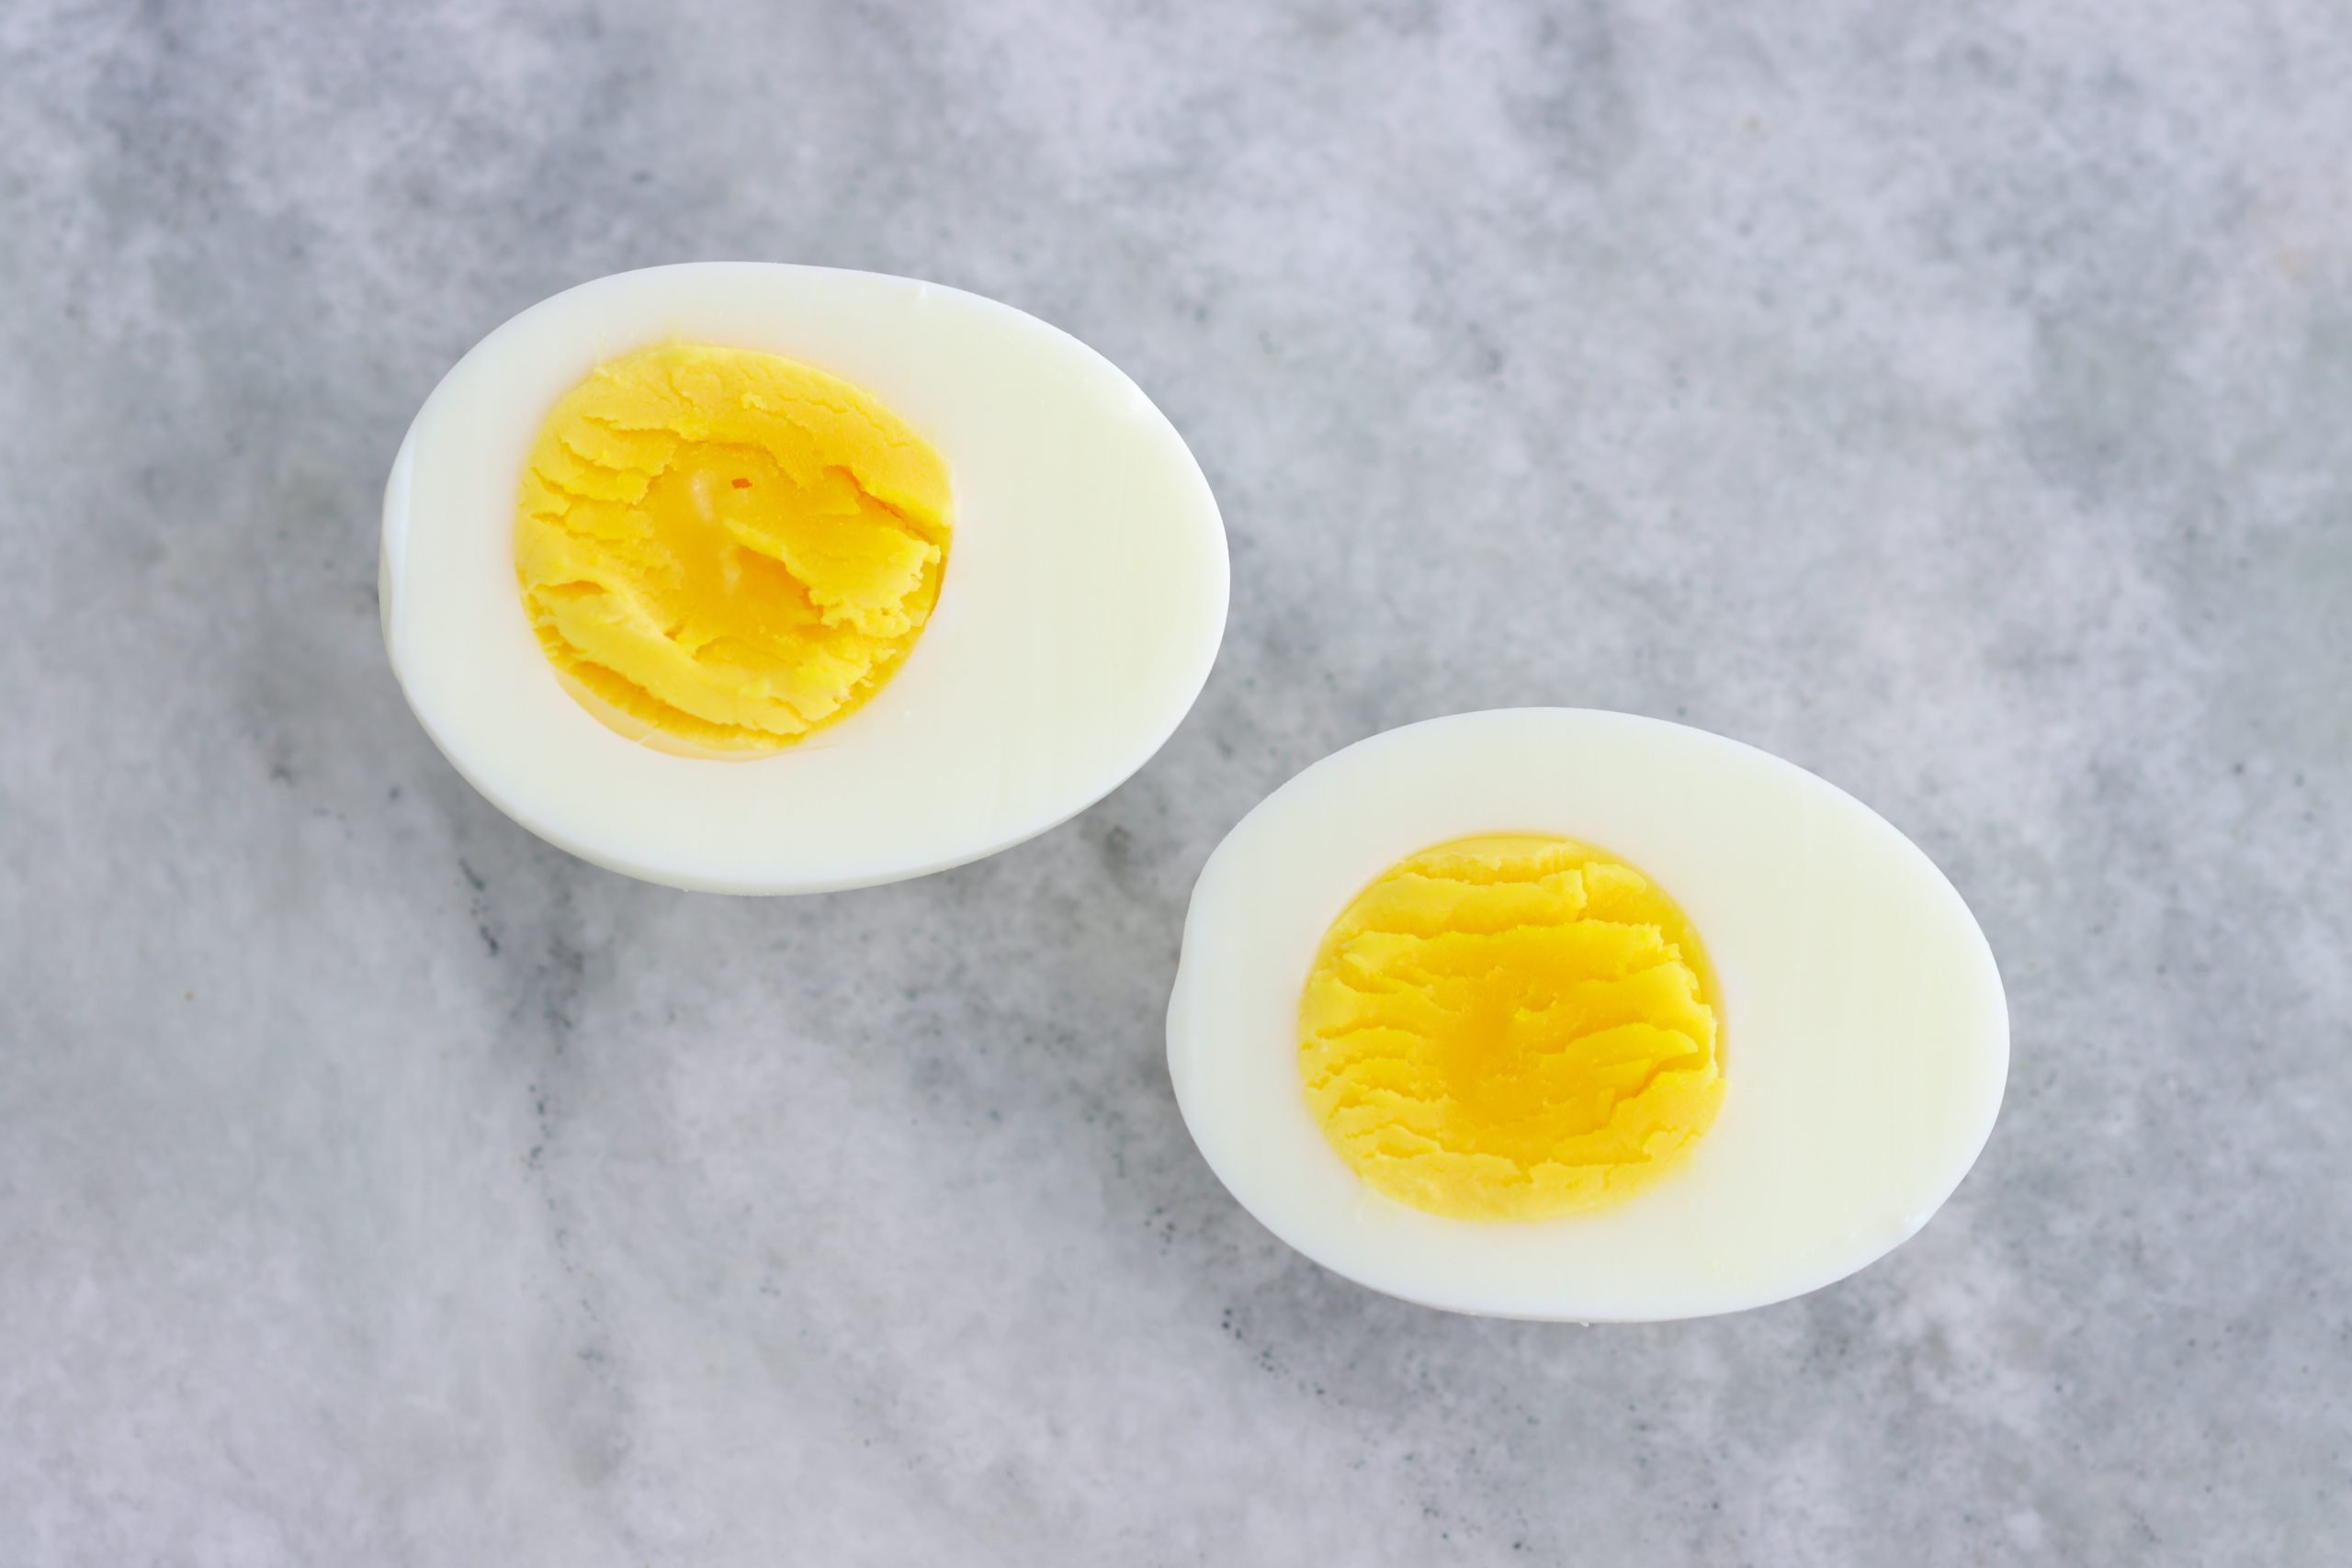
x=722 y=550
x=1510 y=1027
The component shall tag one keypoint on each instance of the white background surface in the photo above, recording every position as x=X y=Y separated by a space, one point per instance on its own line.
x=1949 y=398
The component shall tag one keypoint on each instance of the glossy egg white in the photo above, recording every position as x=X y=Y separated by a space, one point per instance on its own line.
x=1083 y=604
x=1865 y=1034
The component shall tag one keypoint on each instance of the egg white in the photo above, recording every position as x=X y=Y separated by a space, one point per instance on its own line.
x=1083 y=604
x=1865 y=1034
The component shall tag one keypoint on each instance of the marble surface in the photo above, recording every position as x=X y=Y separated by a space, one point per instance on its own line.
x=1954 y=399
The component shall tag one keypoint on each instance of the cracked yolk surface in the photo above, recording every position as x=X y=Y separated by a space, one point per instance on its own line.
x=721 y=551
x=1511 y=1026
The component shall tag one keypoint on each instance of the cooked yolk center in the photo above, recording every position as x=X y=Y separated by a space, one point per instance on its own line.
x=721 y=551
x=1510 y=1027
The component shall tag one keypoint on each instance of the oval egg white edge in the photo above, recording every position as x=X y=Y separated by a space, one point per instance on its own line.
x=1085 y=374
x=1315 y=1204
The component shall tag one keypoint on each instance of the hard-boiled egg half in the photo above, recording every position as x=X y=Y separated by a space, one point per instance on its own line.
x=772 y=579
x=1563 y=1014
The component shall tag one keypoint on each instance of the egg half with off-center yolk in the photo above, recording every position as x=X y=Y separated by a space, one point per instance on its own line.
x=1561 y=1014
x=771 y=579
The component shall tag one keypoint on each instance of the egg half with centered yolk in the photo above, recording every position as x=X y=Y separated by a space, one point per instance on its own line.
x=1561 y=1014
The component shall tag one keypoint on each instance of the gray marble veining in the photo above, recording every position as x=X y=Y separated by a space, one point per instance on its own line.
x=1954 y=399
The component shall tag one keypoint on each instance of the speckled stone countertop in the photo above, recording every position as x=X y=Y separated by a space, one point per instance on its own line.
x=1956 y=399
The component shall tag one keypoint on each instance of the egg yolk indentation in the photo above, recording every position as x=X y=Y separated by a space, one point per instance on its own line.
x=1510 y=1027
x=722 y=550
